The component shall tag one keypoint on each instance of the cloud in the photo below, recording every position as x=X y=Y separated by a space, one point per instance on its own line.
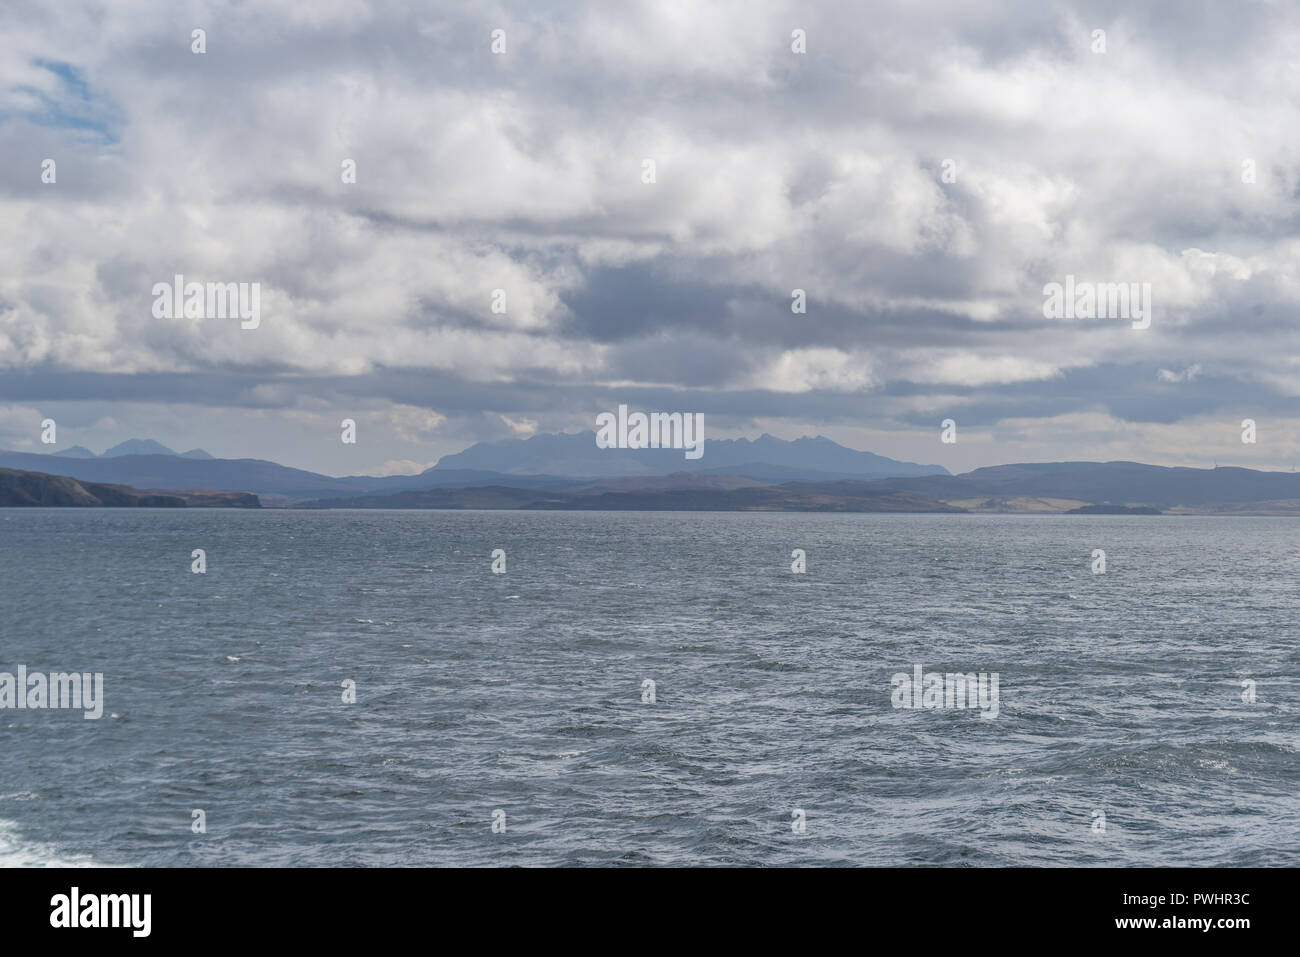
x=1186 y=375
x=523 y=428
x=400 y=467
x=523 y=173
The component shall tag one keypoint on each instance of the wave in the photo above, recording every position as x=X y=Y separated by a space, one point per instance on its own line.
x=16 y=851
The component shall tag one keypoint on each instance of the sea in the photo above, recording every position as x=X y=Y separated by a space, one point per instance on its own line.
x=361 y=688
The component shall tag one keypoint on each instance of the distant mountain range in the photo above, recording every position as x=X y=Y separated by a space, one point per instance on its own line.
x=569 y=471
x=131 y=447
x=548 y=461
x=764 y=458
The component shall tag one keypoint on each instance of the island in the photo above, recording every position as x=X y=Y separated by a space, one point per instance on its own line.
x=19 y=488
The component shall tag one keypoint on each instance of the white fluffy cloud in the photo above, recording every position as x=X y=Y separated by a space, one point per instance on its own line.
x=523 y=173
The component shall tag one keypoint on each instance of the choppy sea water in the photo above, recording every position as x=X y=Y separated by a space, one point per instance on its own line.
x=1120 y=693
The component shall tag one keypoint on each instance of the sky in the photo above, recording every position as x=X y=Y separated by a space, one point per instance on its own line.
x=921 y=172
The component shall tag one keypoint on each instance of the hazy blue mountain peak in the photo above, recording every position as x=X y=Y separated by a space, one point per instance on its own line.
x=137 y=447
x=576 y=454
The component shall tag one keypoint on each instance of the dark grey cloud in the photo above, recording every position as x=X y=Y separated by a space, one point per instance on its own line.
x=775 y=171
